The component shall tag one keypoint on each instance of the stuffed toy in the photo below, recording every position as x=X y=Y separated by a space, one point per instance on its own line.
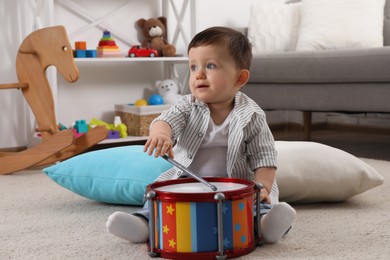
x=169 y=90
x=154 y=33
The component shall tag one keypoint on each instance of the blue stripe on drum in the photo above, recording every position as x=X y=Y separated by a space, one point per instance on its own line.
x=207 y=227
x=160 y=229
x=227 y=225
x=194 y=224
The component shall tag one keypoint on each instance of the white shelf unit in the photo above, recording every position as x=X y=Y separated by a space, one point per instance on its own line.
x=124 y=140
x=127 y=59
x=128 y=77
x=168 y=65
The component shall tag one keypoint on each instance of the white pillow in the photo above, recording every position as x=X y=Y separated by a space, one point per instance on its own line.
x=273 y=26
x=313 y=172
x=340 y=24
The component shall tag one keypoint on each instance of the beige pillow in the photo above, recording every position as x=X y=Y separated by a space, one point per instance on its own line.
x=336 y=24
x=313 y=172
x=273 y=26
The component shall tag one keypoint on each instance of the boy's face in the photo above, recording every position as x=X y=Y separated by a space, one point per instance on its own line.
x=214 y=77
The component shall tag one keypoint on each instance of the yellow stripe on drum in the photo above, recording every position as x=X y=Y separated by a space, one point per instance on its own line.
x=183 y=226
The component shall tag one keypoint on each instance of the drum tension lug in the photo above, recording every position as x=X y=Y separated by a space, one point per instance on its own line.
x=220 y=197
x=153 y=254
x=152 y=225
x=259 y=186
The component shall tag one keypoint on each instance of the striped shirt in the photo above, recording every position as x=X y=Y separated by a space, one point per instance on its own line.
x=250 y=141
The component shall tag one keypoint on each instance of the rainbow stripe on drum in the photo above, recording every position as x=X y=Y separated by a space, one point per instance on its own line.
x=193 y=227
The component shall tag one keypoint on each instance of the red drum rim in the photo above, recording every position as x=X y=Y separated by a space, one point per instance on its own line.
x=204 y=255
x=250 y=188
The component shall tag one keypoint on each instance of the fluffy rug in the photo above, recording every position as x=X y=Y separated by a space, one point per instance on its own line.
x=41 y=220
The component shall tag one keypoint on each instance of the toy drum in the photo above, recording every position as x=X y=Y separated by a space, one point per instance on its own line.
x=188 y=220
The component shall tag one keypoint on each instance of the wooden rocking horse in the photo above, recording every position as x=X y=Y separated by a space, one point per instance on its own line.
x=39 y=50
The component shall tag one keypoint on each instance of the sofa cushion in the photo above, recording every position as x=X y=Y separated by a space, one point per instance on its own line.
x=356 y=97
x=330 y=66
x=335 y=24
x=116 y=175
x=273 y=26
x=314 y=172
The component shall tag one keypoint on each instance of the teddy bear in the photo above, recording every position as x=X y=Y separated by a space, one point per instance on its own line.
x=169 y=90
x=154 y=33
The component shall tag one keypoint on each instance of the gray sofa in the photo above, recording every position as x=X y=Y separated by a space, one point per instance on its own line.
x=356 y=80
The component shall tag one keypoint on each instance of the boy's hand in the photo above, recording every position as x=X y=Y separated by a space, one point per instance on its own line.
x=265 y=176
x=159 y=140
x=160 y=144
x=264 y=196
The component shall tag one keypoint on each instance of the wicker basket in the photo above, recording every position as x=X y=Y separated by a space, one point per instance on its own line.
x=138 y=118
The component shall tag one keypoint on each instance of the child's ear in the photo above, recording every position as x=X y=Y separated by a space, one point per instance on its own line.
x=243 y=77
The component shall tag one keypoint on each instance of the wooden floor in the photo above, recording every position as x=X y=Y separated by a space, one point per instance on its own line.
x=367 y=143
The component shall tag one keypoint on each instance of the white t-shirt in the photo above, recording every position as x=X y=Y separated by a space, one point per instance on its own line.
x=210 y=159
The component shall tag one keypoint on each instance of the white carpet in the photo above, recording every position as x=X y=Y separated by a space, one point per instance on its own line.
x=41 y=220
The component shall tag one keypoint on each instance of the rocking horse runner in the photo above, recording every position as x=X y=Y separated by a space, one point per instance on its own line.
x=42 y=48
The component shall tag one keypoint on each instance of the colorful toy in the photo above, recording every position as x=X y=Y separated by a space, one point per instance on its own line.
x=118 y=125
x=154 y=32
x=80 y=45
x=139 y=51
x=223 y=220
x=169 y=90
x=107 y=47
x=96 y=122
x=90 y=53
x=155 y=99
x=117 y=121
x=122 y=128
x=113 y=134
x=76 y=134
x=82 y=52
x=39 y=50
x=141 y=102
x=81 y=126
x=79 y=54
x=61 y=127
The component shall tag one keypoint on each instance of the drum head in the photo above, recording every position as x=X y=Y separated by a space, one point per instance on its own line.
x=197 y=187
x=187 y=189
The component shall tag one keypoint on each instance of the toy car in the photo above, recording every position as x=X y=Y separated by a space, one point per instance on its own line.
x=139 y=51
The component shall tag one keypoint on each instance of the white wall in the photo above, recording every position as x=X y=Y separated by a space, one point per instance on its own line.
x=12 y=105
x=233 y=13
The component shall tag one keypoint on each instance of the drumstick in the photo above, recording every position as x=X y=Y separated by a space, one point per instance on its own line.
x=193 y=175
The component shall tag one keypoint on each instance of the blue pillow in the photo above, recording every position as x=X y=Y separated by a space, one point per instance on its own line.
x=116 y=175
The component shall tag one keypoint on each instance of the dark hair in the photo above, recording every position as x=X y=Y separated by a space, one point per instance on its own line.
x=238 y=44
